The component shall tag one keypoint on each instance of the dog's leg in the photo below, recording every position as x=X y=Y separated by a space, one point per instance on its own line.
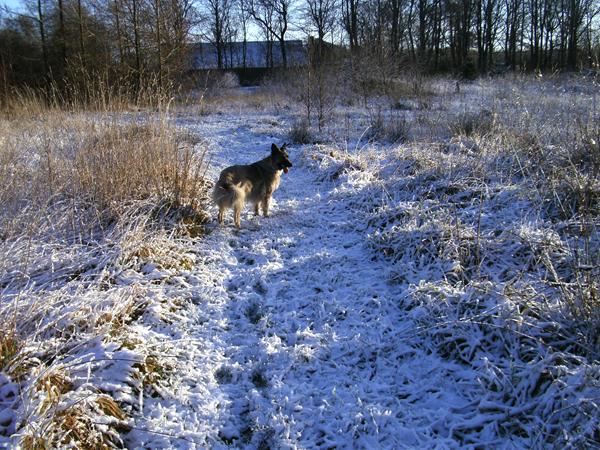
x=256 y=206
x=265 y=204
x=221 y=214
x=237 y=213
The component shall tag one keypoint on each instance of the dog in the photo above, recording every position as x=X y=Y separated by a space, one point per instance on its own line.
x=253 y=183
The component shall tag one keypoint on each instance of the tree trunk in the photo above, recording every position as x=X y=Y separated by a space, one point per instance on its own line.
x=573 y=34
x=119 y=33
x=283 y=52
x=480 y=48
x=81 y=43
x=61 y=32
x=43 y=41
x=158 y=43
x=422 y=29
x=136 y=43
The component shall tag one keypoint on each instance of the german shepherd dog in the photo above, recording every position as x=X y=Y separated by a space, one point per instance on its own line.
x=254 y=183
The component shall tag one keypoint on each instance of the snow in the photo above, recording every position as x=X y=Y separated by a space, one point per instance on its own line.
x=307 y=343
x=358 y=315
x=296 y=339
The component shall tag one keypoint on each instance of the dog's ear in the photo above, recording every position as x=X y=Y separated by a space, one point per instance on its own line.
x=284 y=146
x=274 y=148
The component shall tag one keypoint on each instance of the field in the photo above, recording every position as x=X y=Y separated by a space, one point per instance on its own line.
x=428 y=277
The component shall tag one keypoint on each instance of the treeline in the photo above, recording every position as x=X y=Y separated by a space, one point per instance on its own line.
x=432 y=35
x=67 y=41
x=478 y=34
x=78 y=43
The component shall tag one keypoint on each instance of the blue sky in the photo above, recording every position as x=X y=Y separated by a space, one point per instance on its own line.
x=254 y=32
x=12 y=4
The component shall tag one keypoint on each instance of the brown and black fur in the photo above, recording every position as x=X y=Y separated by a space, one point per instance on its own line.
x=253 y=183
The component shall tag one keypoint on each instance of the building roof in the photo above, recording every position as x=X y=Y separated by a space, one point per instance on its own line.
x=204 y=55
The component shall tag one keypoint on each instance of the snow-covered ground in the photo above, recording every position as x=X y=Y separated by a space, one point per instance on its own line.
x=398 y=296
x=295 y=338
x=310 y=339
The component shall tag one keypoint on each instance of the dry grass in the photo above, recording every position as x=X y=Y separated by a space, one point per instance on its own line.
x=97 y=164
x=92 y=193
x=118 y=163
x=10 y=346
x=271 y=98
x=469 y=123
x=90 y=92
x=300 y=132
x=488 y=218
x=391 y=128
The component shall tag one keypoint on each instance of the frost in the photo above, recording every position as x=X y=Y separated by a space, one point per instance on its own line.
x=399 y=296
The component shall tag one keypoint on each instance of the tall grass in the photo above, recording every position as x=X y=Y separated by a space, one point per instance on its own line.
x=90 y=192
x=85 y=91
x=103 y=160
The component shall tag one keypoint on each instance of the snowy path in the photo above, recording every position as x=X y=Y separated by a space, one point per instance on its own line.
x=297 y=342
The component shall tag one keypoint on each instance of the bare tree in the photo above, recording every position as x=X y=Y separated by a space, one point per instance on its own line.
x=321 y=16
x=350 y=22
x=179 y=17
x=61 y=31
x=117 y=17
x=243 y=20
x=512 y=30
x=219 y=16
x=486 y=28
x=81 y=37
x=274 y=17
x=157 y=29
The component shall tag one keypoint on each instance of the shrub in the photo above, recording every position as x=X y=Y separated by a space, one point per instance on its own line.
x=393 y=128
x=300 y=132
x=473 y=123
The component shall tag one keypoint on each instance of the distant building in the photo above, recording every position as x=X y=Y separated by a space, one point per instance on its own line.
x=248 y=55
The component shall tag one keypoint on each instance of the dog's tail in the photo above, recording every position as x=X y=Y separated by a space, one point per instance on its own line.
x=226 y=194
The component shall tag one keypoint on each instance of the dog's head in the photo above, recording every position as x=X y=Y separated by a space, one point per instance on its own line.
x=280 y=158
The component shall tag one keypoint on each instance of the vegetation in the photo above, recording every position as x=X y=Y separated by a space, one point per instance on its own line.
x=88 y=197
x=482 y=198
x=66 y=45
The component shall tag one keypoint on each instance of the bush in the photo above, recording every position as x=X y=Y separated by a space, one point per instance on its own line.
x=394 y=128
x=469 y=70
x=300 y=132
x=473 y=123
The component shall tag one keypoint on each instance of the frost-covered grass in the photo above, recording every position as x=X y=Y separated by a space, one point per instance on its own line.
x=92 y=210
x=491 y=233
x=494 y=282
x=428 y=277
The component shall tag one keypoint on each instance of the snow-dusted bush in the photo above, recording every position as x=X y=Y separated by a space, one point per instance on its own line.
x=473 y=123
x=392 y=128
